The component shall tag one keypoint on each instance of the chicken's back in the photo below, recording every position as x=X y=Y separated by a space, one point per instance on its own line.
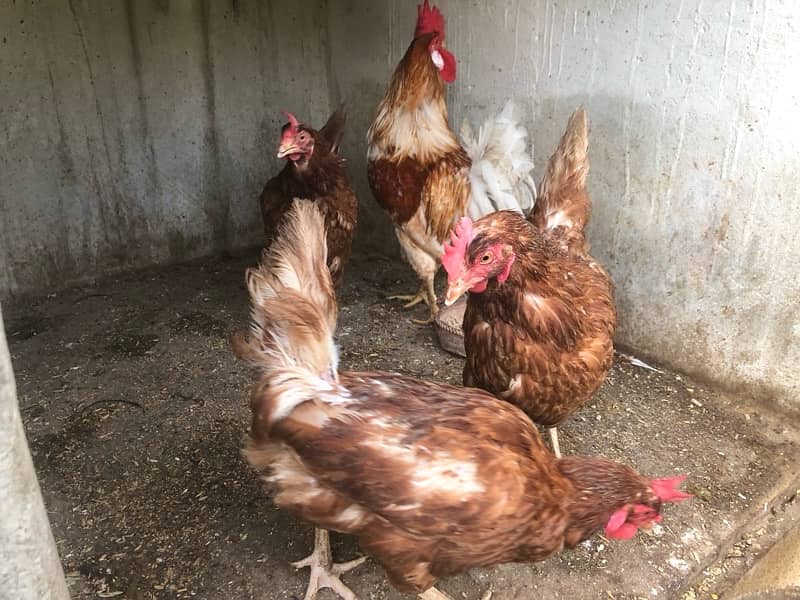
x=433 y=479
x=275 y=201
x=340 y=209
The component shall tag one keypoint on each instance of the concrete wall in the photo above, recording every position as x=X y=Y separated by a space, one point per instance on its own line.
x=29 y=565
x=695 y=115
x=139 y=132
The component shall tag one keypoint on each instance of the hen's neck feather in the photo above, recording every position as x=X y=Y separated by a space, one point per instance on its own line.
x=601 y=487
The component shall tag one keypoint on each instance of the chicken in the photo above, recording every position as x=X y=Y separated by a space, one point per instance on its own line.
x=540 y=316
x=420 y=173
x=432 y=479
x=314 y=171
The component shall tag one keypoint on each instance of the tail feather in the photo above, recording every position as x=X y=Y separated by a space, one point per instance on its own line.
x=563 y=205
x=293 y=305
x=333 y=130
x=501 y=174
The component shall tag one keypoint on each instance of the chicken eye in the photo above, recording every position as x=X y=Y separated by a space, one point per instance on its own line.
x=303 y=137
x=486 y=258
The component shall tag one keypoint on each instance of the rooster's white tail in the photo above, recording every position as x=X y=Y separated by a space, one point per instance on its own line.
x=501 y=175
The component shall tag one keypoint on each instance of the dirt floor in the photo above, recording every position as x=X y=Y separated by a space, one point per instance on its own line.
x=135 y=411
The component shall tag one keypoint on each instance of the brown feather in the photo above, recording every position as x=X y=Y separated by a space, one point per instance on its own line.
x=323 y=181
x=397 y=186
x=417 y=169
x=563 y=206
x=333 y=130
x=432 y=479
x=543 y=339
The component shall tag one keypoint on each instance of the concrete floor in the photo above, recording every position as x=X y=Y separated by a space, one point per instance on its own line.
x=779 y=569
x=135 y=410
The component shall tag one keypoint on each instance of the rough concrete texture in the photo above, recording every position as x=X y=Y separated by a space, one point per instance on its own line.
x=138 y=133
x=136 y=409
x=134 y=133
x=29 y=565
x=779 y=569
x=695 y=120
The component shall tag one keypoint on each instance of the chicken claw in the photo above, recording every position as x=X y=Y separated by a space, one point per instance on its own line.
x=433 y=594
x=427 y=321
x=324 y=572
x=411 y=299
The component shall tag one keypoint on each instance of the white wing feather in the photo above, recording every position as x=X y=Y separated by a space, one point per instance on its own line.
x=501 y=174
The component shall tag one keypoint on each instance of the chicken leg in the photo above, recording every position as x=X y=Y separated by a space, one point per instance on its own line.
x=324 y=572
x=411 y=299
x=425 y=266
x=426 y=294
x=553 y=431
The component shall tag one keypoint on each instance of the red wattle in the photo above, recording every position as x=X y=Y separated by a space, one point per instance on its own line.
x=448 y=71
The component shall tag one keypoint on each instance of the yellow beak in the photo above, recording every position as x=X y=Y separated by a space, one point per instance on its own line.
x=455 y=290
x=287 y=149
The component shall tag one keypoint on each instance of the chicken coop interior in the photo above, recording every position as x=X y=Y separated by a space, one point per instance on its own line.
x=137 y=137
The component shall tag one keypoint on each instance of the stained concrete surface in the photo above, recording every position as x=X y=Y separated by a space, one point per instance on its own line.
x=694 y=174
x=135 y=410
x=779 y=569
x=137 y=133
x=29 y=564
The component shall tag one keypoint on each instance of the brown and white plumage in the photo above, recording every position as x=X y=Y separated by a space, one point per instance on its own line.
x=563 y=207
x=431 y=478
x=418 y=170
x=315 y=172
x=540 y=318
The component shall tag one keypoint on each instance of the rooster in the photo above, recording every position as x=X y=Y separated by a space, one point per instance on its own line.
x=432 y=479
x=314 y=171
x=540 y=316
x=418 y=170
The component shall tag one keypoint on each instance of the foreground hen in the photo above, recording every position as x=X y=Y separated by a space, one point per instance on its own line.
x=314 y=171
x=540 y=315
x=418 y=170
x=432 y=479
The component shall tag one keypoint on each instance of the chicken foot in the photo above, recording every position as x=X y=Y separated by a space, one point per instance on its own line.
x=426 y=294
x=412 y=299
x=553 y=431
x=324 y=572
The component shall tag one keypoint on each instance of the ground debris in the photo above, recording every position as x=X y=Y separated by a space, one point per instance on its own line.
x=158 y=503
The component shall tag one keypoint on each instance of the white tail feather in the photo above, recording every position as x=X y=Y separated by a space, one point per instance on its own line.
x=501 y=175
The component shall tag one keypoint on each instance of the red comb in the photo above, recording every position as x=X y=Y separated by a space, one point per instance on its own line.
x=293 y=122
x=667 y=488
x=456 y=250
x=429 y=20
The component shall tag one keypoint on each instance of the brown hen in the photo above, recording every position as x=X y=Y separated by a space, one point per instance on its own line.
x=432 y=479
x=540 y=315
x=314 y=171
